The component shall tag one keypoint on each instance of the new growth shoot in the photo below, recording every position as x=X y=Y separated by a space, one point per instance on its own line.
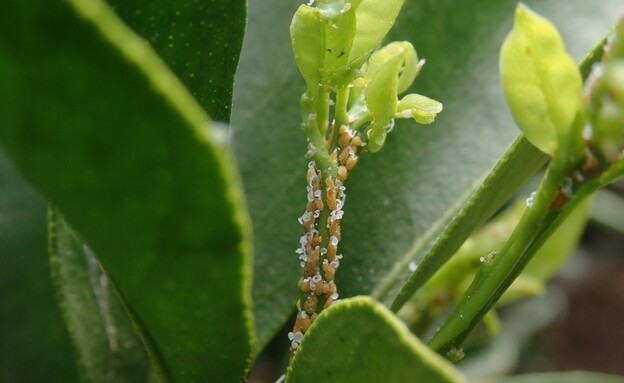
x=349 y=106
x=581 y=126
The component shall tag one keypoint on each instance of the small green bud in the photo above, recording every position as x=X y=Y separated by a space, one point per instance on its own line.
x=605 y=99
x=606 y=111
x=420 y=108
x=541 y=82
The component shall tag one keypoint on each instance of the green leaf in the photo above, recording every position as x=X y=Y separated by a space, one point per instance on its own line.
x=339 y=33
x=108 y=349
x=199 y=41
x=359 y=340
x=111 y=137
x=374 y=20
x=321 y=39
x=333 y=40
x=35 y=346
x=421 y=108
x=541 y=81
x=307 y=35
x=382 y=74
x=559 y=377
x=400 y=199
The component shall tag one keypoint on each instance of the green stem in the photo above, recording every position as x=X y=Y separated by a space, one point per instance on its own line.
x=341 y=116
x=310 y=127
x=342 y=100
x=361 y=121
x=493 y=279
x=322 y=110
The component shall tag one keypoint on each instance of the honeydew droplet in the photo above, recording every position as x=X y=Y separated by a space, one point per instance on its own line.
x=531 y=200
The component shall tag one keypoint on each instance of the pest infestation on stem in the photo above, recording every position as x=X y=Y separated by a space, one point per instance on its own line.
x=348 y=108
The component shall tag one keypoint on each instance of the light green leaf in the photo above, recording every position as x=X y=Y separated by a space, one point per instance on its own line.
x=321 y=38
x=359 y=340
x=335 y=38
x=339 y=34
x=382 y=75
x=421 y=108
x=541 y=81
x=374 y=20
x=381 y=92
x=112 y=138
x=307 y=35
x=108 y=349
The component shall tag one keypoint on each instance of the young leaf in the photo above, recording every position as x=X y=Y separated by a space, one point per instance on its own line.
x=421 y=108
x=541 y=82
x=374 y=20
x=335 y=38
x=359 y=340
x=307 y=35
x=112 y=138
x=383 y=73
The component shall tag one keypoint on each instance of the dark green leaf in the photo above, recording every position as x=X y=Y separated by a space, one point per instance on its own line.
x=359 y=340
x=108 y=349
x=34 y=346
x=115 y=142
x=400 y=199
x=200 y=41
